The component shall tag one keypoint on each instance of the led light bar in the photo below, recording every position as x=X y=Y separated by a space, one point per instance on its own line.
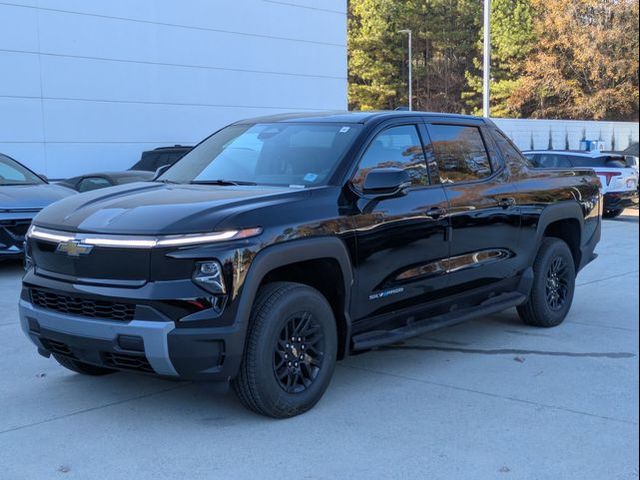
x=138 y=241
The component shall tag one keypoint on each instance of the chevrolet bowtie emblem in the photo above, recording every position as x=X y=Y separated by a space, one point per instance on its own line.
x=74 y=248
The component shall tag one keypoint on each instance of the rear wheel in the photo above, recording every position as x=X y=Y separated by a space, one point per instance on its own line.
x=81 y=367
x=290 y=353
x=612 y=213
x=553 y=285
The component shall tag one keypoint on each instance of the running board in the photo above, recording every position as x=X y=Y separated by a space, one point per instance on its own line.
x=379 y=338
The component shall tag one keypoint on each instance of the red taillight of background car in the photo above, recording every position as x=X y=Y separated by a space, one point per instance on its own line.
x=608 y=176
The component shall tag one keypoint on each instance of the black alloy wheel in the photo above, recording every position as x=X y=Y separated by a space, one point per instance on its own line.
x=557 y=283
x=298 y=353
x=554 y=283
x=290 y=352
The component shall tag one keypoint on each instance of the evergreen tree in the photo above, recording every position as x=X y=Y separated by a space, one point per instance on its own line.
x=512 y=39
x=444 y=37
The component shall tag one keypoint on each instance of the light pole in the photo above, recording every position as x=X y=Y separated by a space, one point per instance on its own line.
x=486 y=59
x=408 y=32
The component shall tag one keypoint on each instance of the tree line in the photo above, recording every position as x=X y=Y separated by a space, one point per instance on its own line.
x=565 y=59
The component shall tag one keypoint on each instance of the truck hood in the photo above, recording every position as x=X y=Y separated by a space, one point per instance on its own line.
x=158 y=208
x=31 y=197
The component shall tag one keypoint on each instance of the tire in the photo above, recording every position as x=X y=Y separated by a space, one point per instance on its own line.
x=278 y=308
x=81 y=367
x=612 y=213
x=551 y=295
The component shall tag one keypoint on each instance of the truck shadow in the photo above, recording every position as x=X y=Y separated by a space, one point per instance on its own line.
x=630 y=215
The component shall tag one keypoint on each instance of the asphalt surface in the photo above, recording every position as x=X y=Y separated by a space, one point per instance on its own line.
x=488 y=399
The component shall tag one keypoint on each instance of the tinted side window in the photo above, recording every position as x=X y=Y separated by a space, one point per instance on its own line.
x=549 y=160
x=460 y=153
x=9 y=173
x=397 y=147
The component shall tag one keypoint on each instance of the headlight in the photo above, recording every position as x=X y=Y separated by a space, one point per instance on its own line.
x=28 y=261
x=208 y=275
x=142 y=241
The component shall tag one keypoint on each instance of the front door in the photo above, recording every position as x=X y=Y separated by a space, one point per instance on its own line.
x=401 y=240
x=485 y=221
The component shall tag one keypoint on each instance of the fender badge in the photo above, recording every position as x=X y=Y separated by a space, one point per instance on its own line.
x=386 y=293
x=74 y=248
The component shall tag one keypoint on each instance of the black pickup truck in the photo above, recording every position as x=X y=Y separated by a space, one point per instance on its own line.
x=282 y=244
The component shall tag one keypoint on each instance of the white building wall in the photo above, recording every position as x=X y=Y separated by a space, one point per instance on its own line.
x=88 y=85
x=537 y=134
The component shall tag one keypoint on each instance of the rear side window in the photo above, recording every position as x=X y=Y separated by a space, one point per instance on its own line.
x=604 y=161
x=510 y=152
x=395 y=147
x=460 y=153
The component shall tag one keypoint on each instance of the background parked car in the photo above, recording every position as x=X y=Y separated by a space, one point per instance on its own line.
x=22 y=195
x=143 y=171
x=94 y=181
x=619 y=179
x=152 y=160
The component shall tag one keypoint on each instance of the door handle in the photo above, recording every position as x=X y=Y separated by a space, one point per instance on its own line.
x=507 y=202
x=436 y=212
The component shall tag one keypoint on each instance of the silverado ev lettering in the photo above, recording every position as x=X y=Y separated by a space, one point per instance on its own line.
x=282 y=244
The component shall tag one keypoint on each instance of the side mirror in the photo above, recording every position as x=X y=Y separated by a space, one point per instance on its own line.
x=161 y=170
x=43 y=177
x=386 y=182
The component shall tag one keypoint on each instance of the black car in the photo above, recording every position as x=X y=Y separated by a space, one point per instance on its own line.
x=152 y=160
x=282 y=244
x=22 y=195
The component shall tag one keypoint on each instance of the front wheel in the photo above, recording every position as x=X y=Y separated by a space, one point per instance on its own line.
x=554 y=278
x=290 y=351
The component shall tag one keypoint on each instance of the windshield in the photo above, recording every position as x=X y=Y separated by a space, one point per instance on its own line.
x=12 y=173
x=289 y=154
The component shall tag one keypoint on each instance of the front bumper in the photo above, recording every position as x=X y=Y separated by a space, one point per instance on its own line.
x=149 y=343
x=619 y=200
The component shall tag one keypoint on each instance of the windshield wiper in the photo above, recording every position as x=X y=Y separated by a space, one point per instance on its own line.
x=221 y=182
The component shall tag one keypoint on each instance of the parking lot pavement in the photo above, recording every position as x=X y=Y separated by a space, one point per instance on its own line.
x=488 y=399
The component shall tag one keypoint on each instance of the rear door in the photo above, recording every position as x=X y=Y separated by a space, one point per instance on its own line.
x=401 y=240
x=484 y=215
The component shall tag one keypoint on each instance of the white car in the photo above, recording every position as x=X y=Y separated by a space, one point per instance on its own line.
x=619 y=180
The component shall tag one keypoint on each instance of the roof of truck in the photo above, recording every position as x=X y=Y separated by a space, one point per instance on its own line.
x=350 y=117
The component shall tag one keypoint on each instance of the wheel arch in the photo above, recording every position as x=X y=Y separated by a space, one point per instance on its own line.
x=288 y=261
x=565 y=221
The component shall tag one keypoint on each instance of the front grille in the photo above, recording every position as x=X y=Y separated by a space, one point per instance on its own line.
x=101 y=263
x=56 y=347
x=83 y=307
x=127 y=362
x=12 y=233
